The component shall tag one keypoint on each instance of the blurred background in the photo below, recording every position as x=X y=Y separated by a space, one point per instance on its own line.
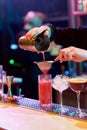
x=12 y=13
x=17 y=62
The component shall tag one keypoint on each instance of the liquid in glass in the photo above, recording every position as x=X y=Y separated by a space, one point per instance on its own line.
x=45 y=89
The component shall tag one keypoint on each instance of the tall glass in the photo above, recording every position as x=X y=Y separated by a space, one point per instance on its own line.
x=45 y=91
x=78 y=85
x=60 y=83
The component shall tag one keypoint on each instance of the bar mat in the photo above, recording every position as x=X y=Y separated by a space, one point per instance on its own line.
x=32 y=103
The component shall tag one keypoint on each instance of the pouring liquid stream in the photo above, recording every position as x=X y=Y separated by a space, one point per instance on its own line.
x=45 y=67
x=43 y=55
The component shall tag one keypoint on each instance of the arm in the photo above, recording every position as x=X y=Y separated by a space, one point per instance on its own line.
x=64 y=36
x=72 y=54
x=70 y=36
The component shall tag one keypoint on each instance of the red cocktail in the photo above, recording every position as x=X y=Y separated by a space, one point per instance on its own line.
x=45 y=89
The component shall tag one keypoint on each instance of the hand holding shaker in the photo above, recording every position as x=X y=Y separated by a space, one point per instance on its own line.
x=38 y=41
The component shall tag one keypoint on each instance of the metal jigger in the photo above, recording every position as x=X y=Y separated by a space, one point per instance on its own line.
x=9 y=80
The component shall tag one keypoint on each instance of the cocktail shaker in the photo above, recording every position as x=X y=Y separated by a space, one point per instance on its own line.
x=39 y=41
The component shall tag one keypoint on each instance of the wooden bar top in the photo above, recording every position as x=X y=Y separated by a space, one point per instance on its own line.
x=16 y=117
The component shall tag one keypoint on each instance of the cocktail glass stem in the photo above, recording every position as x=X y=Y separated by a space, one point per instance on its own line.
x=79 y=111
x=61 y=101
x=78 y=102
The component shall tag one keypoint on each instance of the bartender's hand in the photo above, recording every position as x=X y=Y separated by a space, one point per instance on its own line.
x=37 y=30
x=72 y=54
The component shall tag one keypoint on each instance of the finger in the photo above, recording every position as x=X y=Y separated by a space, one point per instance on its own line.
x=71 y=54
x=47 y=32
x=64 y=54
x=66 y=57
x=59 y=57
x=31 y=33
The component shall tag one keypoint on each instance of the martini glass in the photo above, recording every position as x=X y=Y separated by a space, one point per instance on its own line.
x=78 y=85
x=60 y=83
x=44 y=66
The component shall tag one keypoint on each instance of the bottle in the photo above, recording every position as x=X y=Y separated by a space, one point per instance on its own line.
x=84 y=5
x=39 y=41
x=80 y=5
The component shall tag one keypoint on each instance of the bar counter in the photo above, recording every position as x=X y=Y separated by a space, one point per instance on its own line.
x=14 y=116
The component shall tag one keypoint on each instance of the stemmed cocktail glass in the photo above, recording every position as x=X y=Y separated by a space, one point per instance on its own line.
x=78 y=85
x=60 y=83
x=44 y=66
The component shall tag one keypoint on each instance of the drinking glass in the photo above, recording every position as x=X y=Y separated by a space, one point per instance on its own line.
x=78 y=85
x=60 y=83
x=45 y=91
